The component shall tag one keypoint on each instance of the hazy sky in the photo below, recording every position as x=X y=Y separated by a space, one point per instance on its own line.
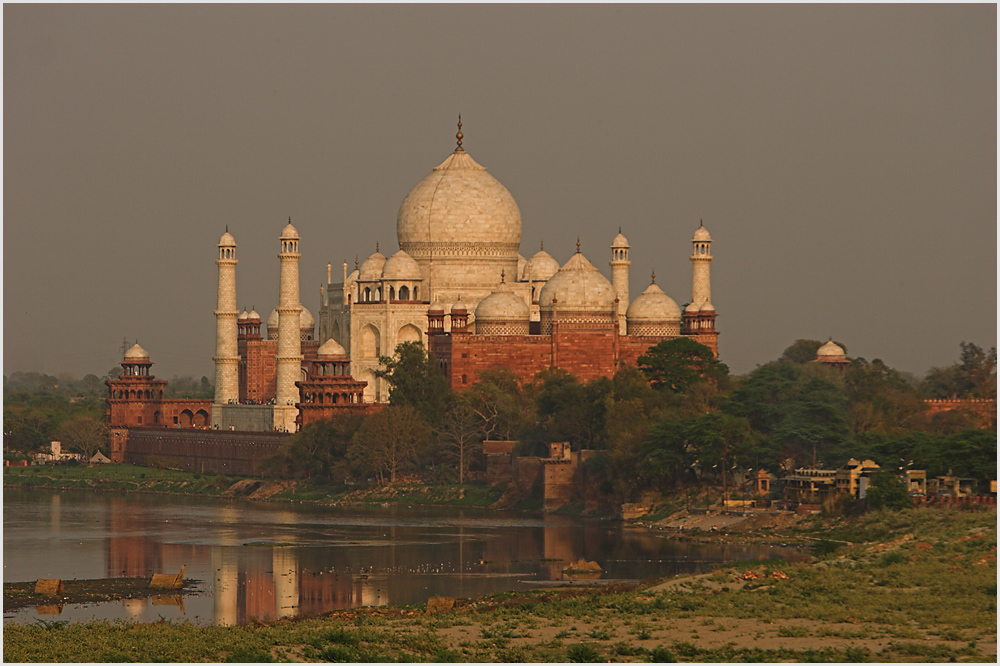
x=843 y=158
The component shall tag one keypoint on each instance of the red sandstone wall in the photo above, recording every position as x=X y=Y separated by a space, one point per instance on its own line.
x=985 y=410
x=215 y=451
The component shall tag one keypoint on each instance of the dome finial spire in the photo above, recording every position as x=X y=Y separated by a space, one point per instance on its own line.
x=376 y=246
x=619 y=228
x=653 y=278
x=543 y=246
x=503 y=275
x=355 y=262
x=458 y=136
x=578 y=245
x=702 y=223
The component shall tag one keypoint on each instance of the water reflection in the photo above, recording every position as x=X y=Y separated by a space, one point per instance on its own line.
x=258 y=561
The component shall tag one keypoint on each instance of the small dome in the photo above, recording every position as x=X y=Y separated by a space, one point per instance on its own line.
x=289 y=232
x=306 y=319
x=578 y=286
x=540 y=267
x=401 y=266
x=371 y=268
x=272 y=321
x=227 y=240
x=707 y=307
x=502 y=305
x=331 y=348
x=436 y=309
x=831 y=348
x=253 y=316
x=693 y=307
x=620 y=241
x=459 y=307
x=653 y=305
x=701 y=234
x=243 y=316
x=521 y=263
x=136 y=353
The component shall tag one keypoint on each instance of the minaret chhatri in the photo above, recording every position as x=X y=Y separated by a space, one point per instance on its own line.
x=289 y=357
x=619 y=275
x=701 y=258
x=226 y=354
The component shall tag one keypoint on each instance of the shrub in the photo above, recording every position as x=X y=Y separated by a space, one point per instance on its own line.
x=582 y=653
x=661 y=655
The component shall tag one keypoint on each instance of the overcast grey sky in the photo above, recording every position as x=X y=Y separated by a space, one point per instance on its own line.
x=843 y=158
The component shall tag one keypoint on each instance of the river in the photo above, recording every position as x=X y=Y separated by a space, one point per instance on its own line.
x=271 y=560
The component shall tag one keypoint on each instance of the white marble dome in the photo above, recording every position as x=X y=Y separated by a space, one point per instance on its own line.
x=306 y=319
x=653 y=305
x=136 y=353
x=371 y=268
x=458 y=202
x=331 y=348
x=619 y=242
x=540 y=267
x=401 y=266
x=243 y=316
x=701 y=234
x=503 y=306
x=227 y=240
x=253 y=316
x=830 y=348
x=289 y=232
x=578 y=286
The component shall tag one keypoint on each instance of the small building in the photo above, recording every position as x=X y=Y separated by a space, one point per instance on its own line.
x=833 y=355
x=819 y=486
x=99 y=459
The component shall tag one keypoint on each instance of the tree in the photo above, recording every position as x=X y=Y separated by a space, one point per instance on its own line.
x=461 y=433
x=415 y=380
x=85 y=434
x=880 y=399
x=570 y=410
x=677 y=364
x=499 y=403
x=887 y=491
x=390 y=441
x=974 y=376
x=318 y=451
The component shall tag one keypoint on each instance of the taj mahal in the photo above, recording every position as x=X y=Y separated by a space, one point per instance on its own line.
x=457 y=285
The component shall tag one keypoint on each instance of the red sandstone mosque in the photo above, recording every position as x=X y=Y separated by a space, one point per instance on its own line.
x=458 y=285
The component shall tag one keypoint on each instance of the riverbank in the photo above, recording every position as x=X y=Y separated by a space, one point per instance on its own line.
x=22 y=595
x=134 y=479
x=917 y=585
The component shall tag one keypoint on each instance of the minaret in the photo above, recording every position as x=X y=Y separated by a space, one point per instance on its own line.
x=289 y=358
x=701 y=258
x=227 y=356
x=619 y=275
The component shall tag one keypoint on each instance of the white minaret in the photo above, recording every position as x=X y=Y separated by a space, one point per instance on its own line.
x=701 y=258
x=289 y=358
x=227 y=356
x=619 y=275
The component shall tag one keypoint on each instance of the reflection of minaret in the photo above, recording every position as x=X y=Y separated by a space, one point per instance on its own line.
x=289 y=358
x=286 y=582
x=55 y=514
x=225 y=585
x=619 y=275
x=226 y=357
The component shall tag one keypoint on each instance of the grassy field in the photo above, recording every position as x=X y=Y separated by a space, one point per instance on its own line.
x=918 y=585
x=131 y=478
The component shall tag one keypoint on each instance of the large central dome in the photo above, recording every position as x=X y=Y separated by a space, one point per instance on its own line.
x=461 y=225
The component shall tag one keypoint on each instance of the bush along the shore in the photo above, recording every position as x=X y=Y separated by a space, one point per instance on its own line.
x=911 y=585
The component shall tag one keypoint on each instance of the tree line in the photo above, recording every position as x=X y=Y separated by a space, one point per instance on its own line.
x=677 y=419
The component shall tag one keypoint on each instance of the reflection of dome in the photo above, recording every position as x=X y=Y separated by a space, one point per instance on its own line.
x=831 y=348
x=371 y=269
x=136 y=352
x=578 y=286
x=540 y=267
x=400 y=266
x=331 y=348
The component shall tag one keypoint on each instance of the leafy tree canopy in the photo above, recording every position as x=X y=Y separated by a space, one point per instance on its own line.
x=676 y=365
x=416 y=380
x=974 y=376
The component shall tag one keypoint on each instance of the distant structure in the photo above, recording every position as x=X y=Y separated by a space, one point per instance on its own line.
x=833 y=355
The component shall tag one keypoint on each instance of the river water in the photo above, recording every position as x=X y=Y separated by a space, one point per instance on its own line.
x=271 y=560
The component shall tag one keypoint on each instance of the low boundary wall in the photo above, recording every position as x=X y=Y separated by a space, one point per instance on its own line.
x=213 y=451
